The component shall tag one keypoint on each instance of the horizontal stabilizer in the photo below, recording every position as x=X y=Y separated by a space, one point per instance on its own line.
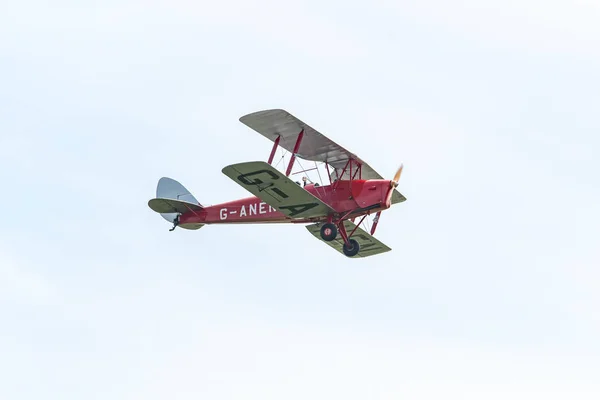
x=369 y=245
x=191 y=227
x=166 y=206
x=277 y=190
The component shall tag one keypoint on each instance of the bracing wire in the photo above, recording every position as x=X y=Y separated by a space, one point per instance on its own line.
x=282 y=151
x=279 y=162
x=319 y=172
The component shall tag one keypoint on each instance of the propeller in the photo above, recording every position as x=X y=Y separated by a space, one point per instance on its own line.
x=394 y=182
x=393 y=185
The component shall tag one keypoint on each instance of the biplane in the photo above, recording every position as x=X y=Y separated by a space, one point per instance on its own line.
x=353 y=190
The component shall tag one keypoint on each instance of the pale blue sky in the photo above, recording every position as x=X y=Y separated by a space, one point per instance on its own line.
x=491 y=290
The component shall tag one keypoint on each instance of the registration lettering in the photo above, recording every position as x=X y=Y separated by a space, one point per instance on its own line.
x=250 y=210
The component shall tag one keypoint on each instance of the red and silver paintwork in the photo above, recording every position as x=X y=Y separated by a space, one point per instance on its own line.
x=355 y=190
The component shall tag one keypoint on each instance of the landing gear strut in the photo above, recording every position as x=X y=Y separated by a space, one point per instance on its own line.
x=329 y=232
x=351 y=246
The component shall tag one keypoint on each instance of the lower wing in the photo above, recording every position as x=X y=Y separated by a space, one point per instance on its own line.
x=277 y=190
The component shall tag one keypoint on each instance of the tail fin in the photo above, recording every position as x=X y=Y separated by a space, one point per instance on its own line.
x=173 y=199
x=168 y=188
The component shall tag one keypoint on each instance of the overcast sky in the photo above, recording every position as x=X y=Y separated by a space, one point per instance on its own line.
x=491 y=290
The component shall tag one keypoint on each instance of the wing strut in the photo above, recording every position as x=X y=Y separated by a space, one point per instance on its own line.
x=296 y=147
x=375 y=221
x=339 y=178
x=274 y=149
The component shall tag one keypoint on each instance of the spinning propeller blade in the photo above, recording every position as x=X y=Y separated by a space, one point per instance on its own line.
x=394 y=182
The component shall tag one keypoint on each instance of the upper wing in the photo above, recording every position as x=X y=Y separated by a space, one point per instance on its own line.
x=314 y=146
x=369 y=245
x=277 y=190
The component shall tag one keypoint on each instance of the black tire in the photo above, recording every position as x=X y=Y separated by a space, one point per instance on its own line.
x=328 y=232
x=352 y=249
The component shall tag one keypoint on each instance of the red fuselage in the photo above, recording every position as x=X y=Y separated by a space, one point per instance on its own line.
x=350 y=198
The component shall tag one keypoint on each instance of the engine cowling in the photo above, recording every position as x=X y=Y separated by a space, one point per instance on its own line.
x=371 y=192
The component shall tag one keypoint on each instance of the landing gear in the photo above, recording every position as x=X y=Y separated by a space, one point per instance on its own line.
x=328 y=232
x=351 y=248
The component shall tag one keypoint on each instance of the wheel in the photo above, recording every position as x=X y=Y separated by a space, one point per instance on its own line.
x=352 y=249
x=328 y=232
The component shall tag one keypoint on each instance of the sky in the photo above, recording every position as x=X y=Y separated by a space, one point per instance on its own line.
x=491 y=289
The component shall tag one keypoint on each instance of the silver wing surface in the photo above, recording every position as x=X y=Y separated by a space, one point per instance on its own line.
x=314 y=145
